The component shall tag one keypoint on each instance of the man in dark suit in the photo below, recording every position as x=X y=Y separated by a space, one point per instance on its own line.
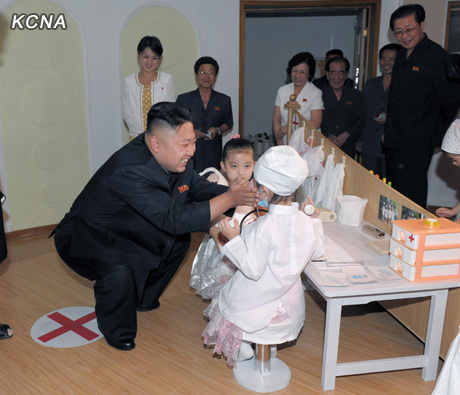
x=343 y=114
x=129 y=229
x=421 y=105
x=5 y=330
x=211 y=112
x=3 y=250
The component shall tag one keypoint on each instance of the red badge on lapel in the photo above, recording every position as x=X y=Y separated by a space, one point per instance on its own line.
x=415 y=68
x=217 y=108
x=183 y=188
x=304 y=100
x=349 y=103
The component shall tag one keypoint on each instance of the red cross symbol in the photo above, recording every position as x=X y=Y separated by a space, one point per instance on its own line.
x=295 y=121
x=70 y=325
x=411 y=238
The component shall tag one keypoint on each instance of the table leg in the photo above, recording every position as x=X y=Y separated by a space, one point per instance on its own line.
x=434 y=334
x=331 y=343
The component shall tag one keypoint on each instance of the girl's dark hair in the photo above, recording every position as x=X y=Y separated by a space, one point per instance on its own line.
x=275 y=198
x=237 y=145
x=303 y=57
x=151 y=42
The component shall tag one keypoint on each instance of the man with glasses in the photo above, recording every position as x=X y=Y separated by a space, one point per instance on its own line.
x=211 y=113
x=422 y=104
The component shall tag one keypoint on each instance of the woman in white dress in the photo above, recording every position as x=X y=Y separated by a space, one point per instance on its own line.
x=142 y=90
x=301 y=70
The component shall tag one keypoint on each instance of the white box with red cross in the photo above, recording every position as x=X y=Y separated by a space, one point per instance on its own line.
x=425 y=249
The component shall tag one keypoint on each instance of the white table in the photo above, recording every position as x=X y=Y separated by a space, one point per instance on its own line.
x=353 y=241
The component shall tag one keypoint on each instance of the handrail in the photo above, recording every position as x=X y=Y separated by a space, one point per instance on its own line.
x=358 y=180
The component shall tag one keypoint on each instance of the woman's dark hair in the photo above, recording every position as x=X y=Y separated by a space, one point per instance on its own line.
x=167 y=115
x=303 y=57
x=389 y=47
x=406 y=10
x=237 y=145
x=337 y=59
x=206 y=60
x=151 y=42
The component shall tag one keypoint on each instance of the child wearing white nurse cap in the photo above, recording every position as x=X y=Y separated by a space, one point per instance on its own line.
x=281 y=170
x=264 y=303
x=451 y=146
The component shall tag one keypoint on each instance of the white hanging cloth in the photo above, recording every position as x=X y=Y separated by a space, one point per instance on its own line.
x=335 y=187
x=297 y=141
x=314 y=158
x=449 y=379
x=323 y=187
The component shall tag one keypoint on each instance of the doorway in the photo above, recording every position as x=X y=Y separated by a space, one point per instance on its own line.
x=271 y=32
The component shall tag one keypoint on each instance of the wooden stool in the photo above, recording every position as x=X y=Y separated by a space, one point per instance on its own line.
x=262 y=373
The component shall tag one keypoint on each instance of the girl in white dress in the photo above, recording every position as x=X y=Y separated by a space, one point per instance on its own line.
x=263 y=302
x=210 y=267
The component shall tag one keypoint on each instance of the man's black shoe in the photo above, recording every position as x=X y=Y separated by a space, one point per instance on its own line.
x=121 y=345
x=144 y=307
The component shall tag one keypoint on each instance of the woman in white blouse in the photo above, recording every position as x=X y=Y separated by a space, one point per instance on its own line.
x=301 y=70
x=147 y=87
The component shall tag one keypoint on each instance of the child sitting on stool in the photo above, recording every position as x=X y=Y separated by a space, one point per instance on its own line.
x=263 y=302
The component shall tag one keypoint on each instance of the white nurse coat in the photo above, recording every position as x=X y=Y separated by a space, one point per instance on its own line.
x=270 y=254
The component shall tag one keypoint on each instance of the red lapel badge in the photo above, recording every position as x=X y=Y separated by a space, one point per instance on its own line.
x=183 y=188
x=304 y=100
x=217 y=108
x=349 y=103
x=415 y=68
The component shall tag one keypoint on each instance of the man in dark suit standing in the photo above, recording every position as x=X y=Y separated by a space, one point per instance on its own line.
x=129 y=229
x=343 y=114
x=422 y=103
x=5 y=330
x=3 y=250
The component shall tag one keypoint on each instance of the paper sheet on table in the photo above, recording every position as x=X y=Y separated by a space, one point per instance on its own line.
x=335 y=253
x=331 y=276
x=383 y=273
x=358 y=275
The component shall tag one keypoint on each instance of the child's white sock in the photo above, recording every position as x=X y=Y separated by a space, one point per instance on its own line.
x=246 y=351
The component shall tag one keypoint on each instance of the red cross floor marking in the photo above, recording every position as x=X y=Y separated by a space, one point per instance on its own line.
x=70 y=325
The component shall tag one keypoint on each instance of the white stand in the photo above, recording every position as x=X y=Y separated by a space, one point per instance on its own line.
x=262 y=373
